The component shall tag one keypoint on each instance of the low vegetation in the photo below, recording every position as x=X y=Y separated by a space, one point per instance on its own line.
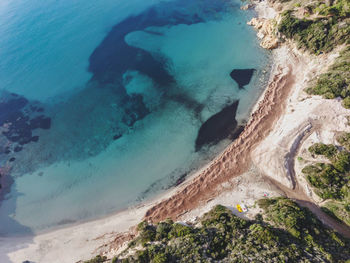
x=340 y=211
x=344 y=140
x=285 y=232
x=336 y=82
x=321 y=34
x=97 y=259
x=331 y=180
x=321 y=28
x=328 y=150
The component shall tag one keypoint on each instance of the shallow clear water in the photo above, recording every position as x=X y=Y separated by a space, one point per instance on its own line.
x=109 y=97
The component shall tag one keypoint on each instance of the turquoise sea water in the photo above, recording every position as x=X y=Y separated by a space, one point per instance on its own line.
x=101 y=102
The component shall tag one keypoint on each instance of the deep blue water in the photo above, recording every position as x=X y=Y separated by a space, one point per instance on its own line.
x=106 y=103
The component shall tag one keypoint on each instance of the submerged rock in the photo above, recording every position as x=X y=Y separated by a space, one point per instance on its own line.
x=18 y=119
x=242 y=76
x=35 y=138
x=7 y=151
x=117 y=136
x=220 y=126
x=18 y=149
x=10 y=106
x=40 y=122
x=134 y=109
x=181 y=179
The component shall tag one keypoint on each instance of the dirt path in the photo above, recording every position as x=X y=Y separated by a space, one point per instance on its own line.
x=298 y=195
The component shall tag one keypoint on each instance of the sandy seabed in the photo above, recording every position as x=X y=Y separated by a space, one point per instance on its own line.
x=260 y=162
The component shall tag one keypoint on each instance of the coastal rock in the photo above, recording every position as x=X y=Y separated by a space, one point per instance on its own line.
x=247 y=6
x=269 y=43
x=266 y=32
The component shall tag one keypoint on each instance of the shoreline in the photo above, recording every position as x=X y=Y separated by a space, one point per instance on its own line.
x=201 y=189
x=85 y=239
x=235 y=159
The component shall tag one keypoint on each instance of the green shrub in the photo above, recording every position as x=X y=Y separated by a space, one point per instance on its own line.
x=291 y=234
x=283 y=212
x=318 y=35
x=339 y=9
x=342 y=162
x=339 y=210
x=344 y=140
x=147 y=233
x=97 y=259
x=332 y=180
x=327 y=150
x=326 y=180
x=142 y=226
x=265 y=203
x=179 y=230
x=142 y=256
x=346 y=103
x=160 y=258
x=336 y=82
x=291 y=26
x=163 y=230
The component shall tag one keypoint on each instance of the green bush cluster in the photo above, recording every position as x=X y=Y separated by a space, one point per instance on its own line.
x=344 y=140
x=338 y=210
x=332 y=180
x=293 y=234
x=328 y=150
x=336 y=82
x=303 y=225
x=319 y=35
x=97 y=259
x=339 y=8
x=329 y=179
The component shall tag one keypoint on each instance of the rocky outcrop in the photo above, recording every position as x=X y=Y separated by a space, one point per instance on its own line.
x=266 y=32
x=248 y=6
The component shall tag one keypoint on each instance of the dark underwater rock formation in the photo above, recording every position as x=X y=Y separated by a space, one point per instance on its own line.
x=242 y=76
x=134 y=109
x=117 y=136
x=220 y=126
x=18 y=119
